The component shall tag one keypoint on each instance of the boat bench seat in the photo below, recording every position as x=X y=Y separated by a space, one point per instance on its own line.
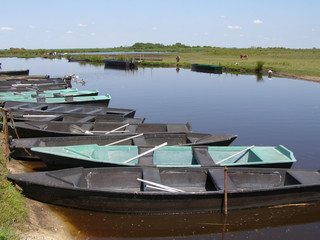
x=303 y=178
x=55 y=108
x=203 y=157
x=150 y=174
x=217 y=176
x=86 y=119
x=140 y=141
x=94 y=111
x=177 y=128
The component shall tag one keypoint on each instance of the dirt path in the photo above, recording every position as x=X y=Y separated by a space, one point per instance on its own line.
x=43 y=222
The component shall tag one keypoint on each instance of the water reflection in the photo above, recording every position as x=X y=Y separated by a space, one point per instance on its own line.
x=190 y=226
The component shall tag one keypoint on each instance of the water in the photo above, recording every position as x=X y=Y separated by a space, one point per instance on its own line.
x=261 y=112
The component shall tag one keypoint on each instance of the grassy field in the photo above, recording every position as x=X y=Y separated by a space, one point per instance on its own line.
x=300 y=62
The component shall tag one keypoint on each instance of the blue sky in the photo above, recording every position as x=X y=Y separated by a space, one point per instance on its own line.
x=59 y=24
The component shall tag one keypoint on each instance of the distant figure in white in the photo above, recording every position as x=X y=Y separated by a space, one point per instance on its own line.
x=270 y=74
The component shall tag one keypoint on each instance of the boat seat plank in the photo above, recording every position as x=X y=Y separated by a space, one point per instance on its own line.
x=86 y=119
x=146 y=160
x=203 y=157
x=140 y=141
x=177 y=128
x=304 y=178
x=94 y=111
x=55 y=108
x=150 y=174
x=132 y=128
x=217 y=176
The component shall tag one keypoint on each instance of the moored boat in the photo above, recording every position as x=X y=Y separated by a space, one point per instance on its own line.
x=67 y=108
x=68 y=92
x=56 y=129
x=101 y=100
x=15 y=72
x=20 y=148
x=169 y=190
x=115 y=63
x=206 y=68
x=19 y=116
x=93 y=155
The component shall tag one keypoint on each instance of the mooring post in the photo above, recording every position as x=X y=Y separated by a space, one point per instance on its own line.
x=225 y=192
x=5 y=130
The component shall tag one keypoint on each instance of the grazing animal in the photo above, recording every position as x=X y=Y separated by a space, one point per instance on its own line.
x=178 y=58
x=244 y=56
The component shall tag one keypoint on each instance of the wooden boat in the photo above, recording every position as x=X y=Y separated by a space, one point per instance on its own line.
x=143 y=190
x=18 y=116
x=20 y=148
x=68 y=92
x=115 y=63
x=101 y=100
x=206 y=68
x=93 y=155
x=34 y=87
x=23 y=77
x=59 y=129
x=30 y=82
x=67 y=108
x=15 y=72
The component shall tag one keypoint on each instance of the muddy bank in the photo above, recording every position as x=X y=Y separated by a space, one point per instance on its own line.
x=43 y=222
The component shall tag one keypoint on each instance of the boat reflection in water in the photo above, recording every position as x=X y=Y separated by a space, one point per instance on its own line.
x=235 y=225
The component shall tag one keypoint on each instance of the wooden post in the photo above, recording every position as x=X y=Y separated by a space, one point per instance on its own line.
x=6 y=132
x=225 y=192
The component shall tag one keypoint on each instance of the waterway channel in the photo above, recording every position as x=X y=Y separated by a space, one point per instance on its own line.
x=261 y=111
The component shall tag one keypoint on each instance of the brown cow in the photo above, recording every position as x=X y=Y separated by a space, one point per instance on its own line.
x=244 y=56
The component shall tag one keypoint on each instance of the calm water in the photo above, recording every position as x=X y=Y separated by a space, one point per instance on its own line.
x=261 y=112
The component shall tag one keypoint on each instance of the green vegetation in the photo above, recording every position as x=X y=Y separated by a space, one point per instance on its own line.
x=303 y=62
x=13 y=212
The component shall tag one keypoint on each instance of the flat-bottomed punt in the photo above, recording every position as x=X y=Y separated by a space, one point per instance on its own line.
x=206 y=68
x=59 y=129
x=94 y=155
x=169 y=190
x=70 y=117
x=67 y=108
x=20 y=148
x=15 y=72
x=70 y=92
x=101 y=100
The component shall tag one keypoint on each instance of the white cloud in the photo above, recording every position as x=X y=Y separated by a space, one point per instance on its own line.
x=31 y=26
x=6 y=28
x=69 y=32
x=206 y=33
x=257 y=21
x=154 y=28
x=222 y=16
x=234 y=27
x=81 y=25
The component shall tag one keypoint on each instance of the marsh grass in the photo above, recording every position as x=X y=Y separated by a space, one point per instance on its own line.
x=13 y=211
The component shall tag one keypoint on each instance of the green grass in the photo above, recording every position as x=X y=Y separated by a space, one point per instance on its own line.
x=13 y=211
x=284 y=60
